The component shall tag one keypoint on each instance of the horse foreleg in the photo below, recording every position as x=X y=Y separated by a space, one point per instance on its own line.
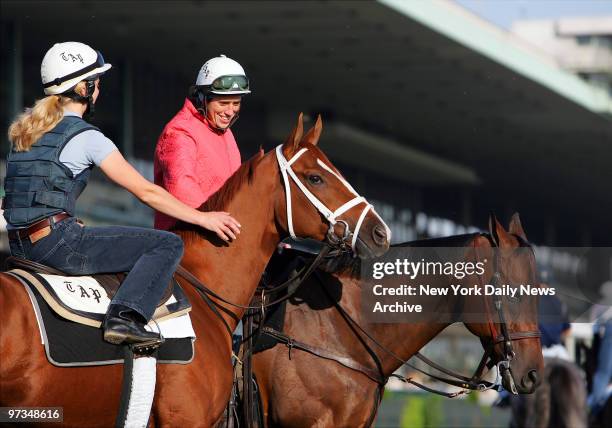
x=195 y=394
x=21 y=349
x=261 y=365
x=88 y=396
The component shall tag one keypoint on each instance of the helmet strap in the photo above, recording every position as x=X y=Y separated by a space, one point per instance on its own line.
x=234 y=119
x=91 y=108
x=198 y=98
x=90 y=87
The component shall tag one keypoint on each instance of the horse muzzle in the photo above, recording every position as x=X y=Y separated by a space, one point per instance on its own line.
x=379 y=236
x=372 y=241
x=527 y=385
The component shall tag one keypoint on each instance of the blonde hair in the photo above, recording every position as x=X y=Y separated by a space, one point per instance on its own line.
x=38 y=120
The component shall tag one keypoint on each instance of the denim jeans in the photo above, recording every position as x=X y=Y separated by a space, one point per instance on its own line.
x=150 y=256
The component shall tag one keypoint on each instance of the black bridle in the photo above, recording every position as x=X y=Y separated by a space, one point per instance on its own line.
x=504 y=337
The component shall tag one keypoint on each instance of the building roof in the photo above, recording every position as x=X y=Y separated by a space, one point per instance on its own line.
x=428 y=76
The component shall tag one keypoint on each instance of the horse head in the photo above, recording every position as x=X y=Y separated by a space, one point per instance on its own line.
x=319 y=203
x=509 y=331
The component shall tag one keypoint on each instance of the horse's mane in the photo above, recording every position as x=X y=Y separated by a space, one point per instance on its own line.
x=344 y=264
x=447 y=241
x=222 y=197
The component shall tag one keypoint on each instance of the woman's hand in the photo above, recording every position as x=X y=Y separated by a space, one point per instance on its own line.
x=222 y=223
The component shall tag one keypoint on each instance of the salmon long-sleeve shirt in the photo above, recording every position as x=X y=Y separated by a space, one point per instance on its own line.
x=192 y=160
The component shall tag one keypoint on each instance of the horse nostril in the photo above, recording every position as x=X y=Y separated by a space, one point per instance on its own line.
x=379 y=235
x=530 y=381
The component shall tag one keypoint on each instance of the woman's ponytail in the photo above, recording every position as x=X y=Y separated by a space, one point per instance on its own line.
x=36 y=121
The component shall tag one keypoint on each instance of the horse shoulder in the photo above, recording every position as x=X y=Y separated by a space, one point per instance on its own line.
x=196 y=393
x=17 y=320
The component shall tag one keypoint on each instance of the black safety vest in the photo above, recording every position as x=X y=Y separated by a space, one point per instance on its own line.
x=37 y=184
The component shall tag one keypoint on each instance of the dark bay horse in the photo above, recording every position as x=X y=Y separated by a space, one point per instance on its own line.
x=297 y=179
x=559 y=402
x=307 y=390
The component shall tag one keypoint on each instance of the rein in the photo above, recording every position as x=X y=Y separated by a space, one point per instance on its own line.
x=323 y=353
x=374 y=375
x=208 y=295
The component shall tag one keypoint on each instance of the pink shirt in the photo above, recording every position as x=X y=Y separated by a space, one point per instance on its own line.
x=192 y=160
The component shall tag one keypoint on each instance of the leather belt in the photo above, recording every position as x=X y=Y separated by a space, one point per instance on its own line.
x=35 y=227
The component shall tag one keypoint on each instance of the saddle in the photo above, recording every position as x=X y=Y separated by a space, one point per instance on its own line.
x=172 y=304
x=67 y=307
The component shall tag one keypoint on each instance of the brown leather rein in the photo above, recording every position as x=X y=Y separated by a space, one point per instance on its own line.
x=216 y=302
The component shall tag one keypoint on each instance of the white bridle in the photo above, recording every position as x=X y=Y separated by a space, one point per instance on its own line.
x=331 y=216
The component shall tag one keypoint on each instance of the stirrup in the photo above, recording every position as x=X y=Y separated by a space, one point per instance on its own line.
x=146 y=347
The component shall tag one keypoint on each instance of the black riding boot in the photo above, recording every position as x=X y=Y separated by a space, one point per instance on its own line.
x=124 y=325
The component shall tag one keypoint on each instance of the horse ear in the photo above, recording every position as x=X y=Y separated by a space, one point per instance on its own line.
x=492 y=232
x=314 y=133
x=500 y=237
x=293 y=140
x=516 y=228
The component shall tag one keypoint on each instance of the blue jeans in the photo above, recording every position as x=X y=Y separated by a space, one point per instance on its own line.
x=151 y=257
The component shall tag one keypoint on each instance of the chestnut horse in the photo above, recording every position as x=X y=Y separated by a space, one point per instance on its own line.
x=342 y=386
x=287 y=191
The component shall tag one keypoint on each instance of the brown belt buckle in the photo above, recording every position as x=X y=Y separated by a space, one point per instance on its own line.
x=40 y=234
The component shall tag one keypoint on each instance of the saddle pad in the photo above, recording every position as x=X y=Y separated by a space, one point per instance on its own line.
x=69 y=344
x=83 y=300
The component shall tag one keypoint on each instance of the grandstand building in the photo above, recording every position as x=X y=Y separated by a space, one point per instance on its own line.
x=433 y=113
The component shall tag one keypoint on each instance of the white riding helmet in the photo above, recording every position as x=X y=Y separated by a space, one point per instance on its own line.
x=223 y=76
x=66 y=64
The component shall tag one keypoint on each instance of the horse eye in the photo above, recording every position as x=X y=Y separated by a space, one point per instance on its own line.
x=315 y=179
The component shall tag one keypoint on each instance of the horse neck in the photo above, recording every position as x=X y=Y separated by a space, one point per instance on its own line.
x=402 y=339
x=234 y=271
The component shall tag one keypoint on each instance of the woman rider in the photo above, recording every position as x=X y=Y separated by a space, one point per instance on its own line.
x=52 y=153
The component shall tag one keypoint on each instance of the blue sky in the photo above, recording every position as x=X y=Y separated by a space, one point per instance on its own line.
x=503 y=12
